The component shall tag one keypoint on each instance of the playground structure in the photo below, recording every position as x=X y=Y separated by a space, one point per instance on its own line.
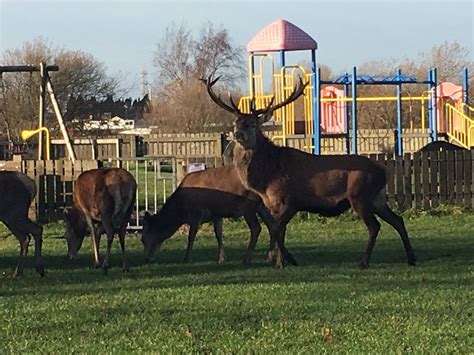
x=45 y=86
x=330 y=110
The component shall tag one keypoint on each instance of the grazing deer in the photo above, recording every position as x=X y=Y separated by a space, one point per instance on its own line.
x=18 y=191
x=103 y=201
x=204 y=196
x=289 y=180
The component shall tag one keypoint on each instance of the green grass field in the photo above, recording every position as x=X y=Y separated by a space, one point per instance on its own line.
x=326 y=304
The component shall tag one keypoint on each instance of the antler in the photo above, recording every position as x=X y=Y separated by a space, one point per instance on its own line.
x=297 y=92
x=209 y=84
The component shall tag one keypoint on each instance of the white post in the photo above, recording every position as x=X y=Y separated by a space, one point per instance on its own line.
x=57 y=111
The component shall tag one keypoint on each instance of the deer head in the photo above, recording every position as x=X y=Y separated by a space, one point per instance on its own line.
x=247 y=126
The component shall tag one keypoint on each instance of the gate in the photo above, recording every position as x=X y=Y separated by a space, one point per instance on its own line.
x=156 y=179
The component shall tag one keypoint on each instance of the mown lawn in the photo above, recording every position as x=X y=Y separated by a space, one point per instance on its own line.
x=326 y=304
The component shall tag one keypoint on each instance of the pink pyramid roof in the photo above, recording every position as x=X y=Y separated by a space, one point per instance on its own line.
x=281 y=35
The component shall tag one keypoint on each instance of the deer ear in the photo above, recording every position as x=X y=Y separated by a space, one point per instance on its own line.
x=265 y=117
x=66 y=214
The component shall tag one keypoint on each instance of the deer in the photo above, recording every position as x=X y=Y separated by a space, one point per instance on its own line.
x=103 y=200
x=289 y=180
x=206 y=196
x=18 y=191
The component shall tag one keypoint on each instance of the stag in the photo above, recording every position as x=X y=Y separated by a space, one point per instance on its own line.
x=206 y=196
x=289 y=180
x=18 y=191
x=103 y=201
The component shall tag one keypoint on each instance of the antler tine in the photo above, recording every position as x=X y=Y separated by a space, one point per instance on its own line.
x=209 y=84
x=297 y=92
x=266 y=109
x=232 y=102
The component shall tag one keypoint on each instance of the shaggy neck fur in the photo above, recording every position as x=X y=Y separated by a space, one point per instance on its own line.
x=260 y=165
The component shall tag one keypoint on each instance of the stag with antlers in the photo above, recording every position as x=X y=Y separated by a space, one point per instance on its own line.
x=289 y=180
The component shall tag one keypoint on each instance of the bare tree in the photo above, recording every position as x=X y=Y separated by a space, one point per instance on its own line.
x=80 y=74
x=181 y=60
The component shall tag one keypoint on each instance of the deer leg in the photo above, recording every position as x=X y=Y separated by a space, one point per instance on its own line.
x=365 y=213
x=24 y=241
x=109 y=230
x=255 y=229
x=194 y=226
x=220 y=244
x=37 y=232
x=278 y=255
x=95 y=237
x=396 y=222
x=279 y=232
x=121 y=235
x=267 y=219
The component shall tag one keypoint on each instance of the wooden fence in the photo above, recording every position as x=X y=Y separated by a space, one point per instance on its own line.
x=184 y=145
x=420 y=180
x=368 y=141
x=429 y=179
x=211 y=145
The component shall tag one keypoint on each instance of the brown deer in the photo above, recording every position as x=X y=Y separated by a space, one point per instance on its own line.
x=18 y=191
x=206 y=196
x=289 y=180
x=103 y=201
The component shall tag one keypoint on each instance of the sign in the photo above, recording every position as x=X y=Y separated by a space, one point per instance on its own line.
x=192 y=167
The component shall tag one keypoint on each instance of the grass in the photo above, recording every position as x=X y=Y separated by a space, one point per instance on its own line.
x=324 y=305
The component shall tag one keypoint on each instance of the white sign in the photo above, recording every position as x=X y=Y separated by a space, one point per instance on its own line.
x=192 y=167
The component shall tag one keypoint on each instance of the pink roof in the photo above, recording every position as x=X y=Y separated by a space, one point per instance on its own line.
x=281 y=35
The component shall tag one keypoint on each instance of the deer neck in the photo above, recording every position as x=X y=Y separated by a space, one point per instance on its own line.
x=249 y=160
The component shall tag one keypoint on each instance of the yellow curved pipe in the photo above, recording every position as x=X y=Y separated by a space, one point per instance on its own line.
x=28 y=133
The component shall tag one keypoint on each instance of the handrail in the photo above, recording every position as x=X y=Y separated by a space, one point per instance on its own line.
x=460 y=127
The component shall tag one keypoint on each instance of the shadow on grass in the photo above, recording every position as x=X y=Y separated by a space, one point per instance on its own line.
x=317 y=264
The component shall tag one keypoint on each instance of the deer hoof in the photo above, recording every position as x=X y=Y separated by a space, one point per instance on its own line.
x=40 y=270
x=291 y=260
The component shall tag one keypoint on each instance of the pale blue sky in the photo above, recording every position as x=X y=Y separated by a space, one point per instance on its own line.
x=124 y=34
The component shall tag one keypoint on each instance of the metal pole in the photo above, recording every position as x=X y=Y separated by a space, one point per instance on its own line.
x=430 y=106
x=435 y=106
x=252 y=81
x=42 y=95
x=399 y=116
x=317 y=111
x=354 y=110
x=465 y=86
x=282 y=59
x=346 y=109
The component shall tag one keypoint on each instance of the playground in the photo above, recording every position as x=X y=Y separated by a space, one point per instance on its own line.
x=326 y=304
x=330 y=107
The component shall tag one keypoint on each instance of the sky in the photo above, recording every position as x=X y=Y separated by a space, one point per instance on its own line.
x=124 y=34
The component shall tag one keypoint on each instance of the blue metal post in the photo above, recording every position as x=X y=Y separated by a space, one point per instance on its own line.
x=465 y=86
x=430 y=106
x=435 y=106
x=354 y=110
x=317 y=110
x=348 y=122
x=282 y=59
x=252 y=81
x=399 y=116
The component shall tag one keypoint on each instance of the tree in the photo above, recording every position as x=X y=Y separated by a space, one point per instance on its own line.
x=80 y=74
x=181 y=60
